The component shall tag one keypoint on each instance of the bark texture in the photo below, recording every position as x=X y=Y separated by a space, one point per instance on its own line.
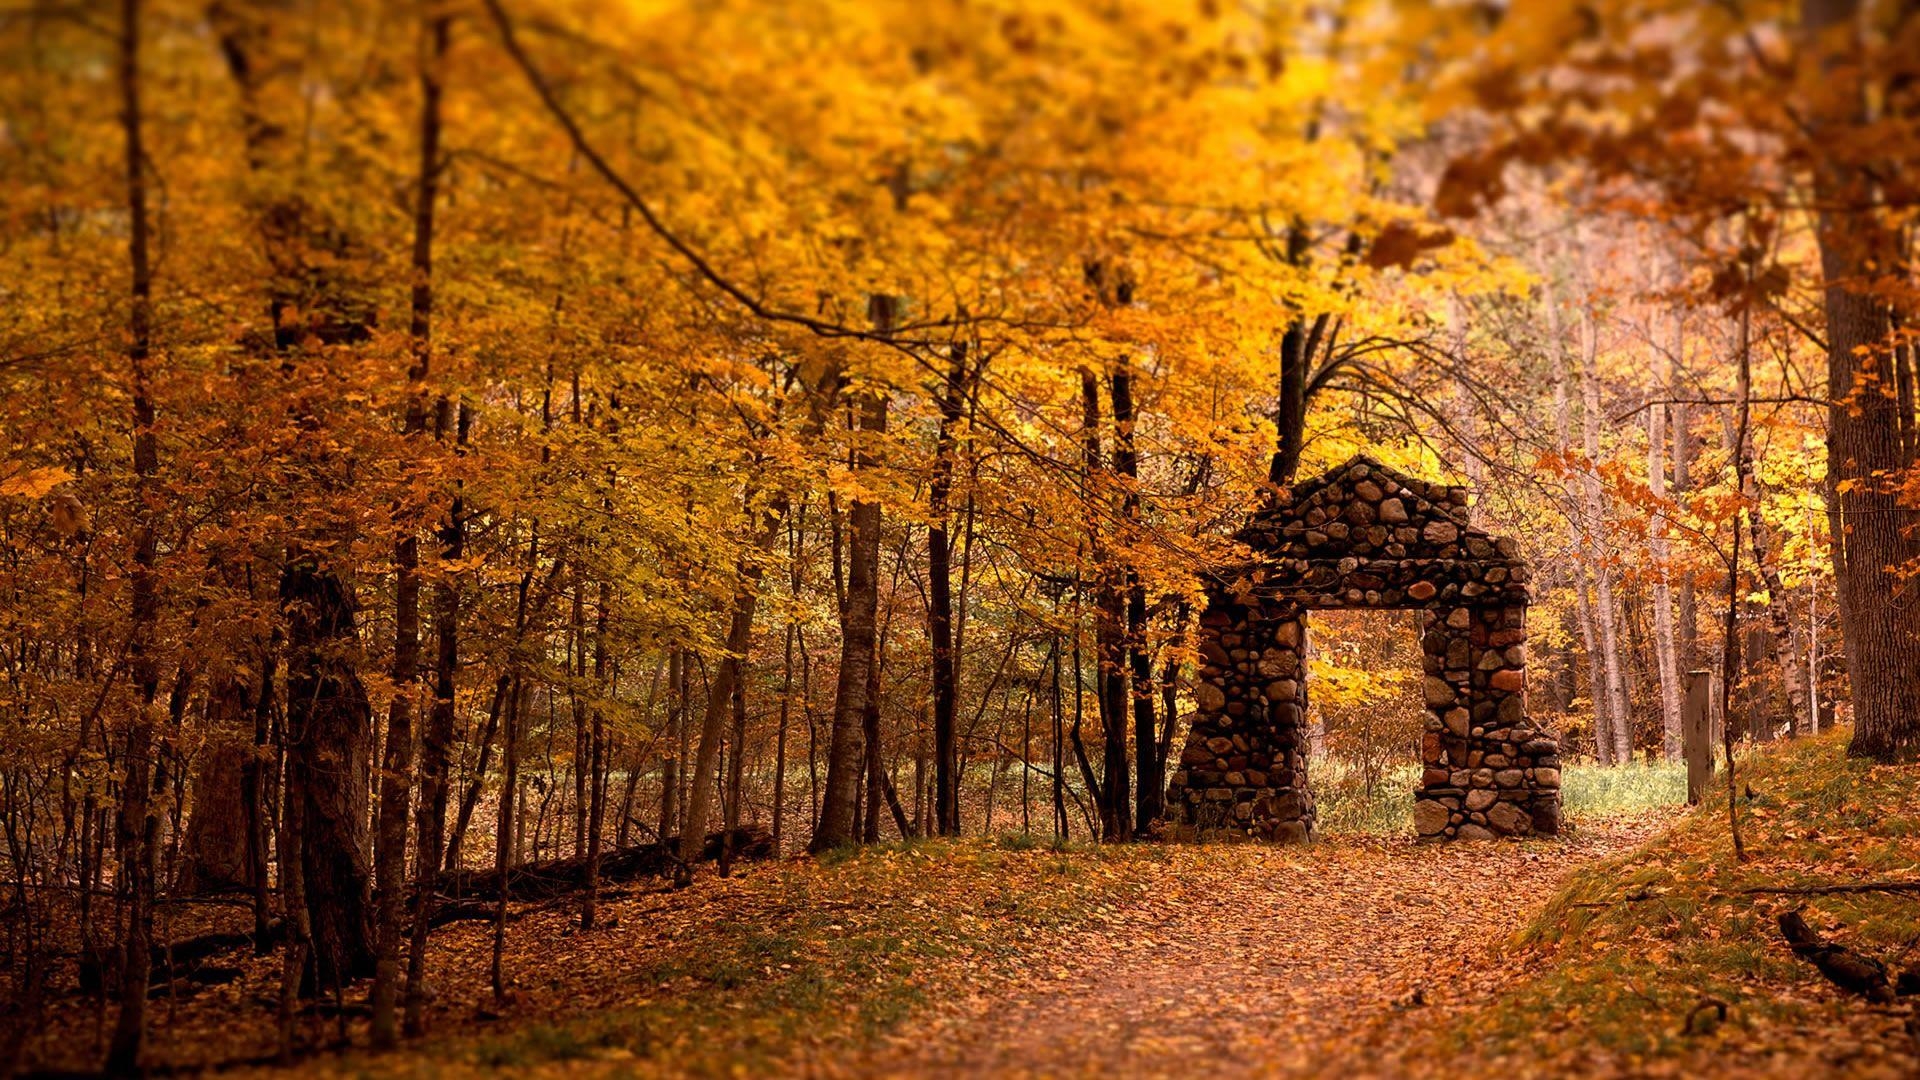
x=1876 y=544
x=859 y=619
x=328 y=732
x=946 y=794
x=139 y=826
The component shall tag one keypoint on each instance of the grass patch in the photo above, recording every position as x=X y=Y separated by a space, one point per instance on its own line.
x=1598 y=791
x=1344 y=806
x=1021 y=841
x=1633 y=944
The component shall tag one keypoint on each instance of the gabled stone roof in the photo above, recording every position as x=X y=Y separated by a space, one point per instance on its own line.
x=1365 y=535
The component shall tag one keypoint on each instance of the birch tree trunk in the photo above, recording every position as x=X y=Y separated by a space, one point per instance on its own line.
x=1606 y=609
x=1665 y=653
x=1766 y=563
x=1601 y=701
x=1686 y=613
x=1598 y=696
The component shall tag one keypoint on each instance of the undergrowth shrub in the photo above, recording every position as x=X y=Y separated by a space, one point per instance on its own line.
x=1599 y=790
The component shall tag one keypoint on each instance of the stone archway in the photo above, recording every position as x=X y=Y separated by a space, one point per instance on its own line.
x=1365 y=536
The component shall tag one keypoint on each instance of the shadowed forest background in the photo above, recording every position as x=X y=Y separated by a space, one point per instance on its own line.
x=480 y=474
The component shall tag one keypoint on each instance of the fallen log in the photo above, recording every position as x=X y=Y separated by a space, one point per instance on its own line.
x=187 y=959
x=1851 y=971
x=188 y=983
x=99 y=969
x=448 y=910
x=190 y=951
x=555 y=877
x=464 y=896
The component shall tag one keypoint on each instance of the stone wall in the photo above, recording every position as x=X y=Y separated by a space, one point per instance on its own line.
x=1486 y=770
x=1243 y=773
x=1364 y=536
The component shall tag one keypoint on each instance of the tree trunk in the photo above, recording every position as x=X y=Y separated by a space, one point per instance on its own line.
x=528 y=604
x=506 y=837
x=577 y=675
x=870 y=739
x=858 y=627
x=1606 y=610
x=813 y=736
x=675 y=737
x=1290 y=416
x=596 y=762
x=1600 y=700
x=780 y=739
x=946 y=799
x=1686 y=615
x=1170 y=683
x=1779 y=609
x=1058 y=760
x=328 y=721
x=845 y=754
x=311 y=298
x=293 y=897
x=727 y=674
x=139 y=828
x=436 y=744
x=1665 y=655
x=255 y=779
x=1110 y=651
x=1730 y=634
x=396 y=774
x=734 y=776
x=476 y=783
x=1866 y=454
x=215 y=855
x=1148 y=791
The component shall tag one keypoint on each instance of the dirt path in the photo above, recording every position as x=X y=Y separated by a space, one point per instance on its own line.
x=1258 y=961
x=1148 y=960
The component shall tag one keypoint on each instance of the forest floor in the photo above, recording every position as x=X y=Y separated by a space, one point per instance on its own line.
x=1601 y=953
x=1257 y=961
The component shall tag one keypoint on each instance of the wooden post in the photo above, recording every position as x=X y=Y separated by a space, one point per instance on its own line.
x=1696 y=740
x=1813 y=650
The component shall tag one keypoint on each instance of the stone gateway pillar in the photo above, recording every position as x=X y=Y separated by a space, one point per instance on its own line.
x=1243 y=773
x=1365 y=536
